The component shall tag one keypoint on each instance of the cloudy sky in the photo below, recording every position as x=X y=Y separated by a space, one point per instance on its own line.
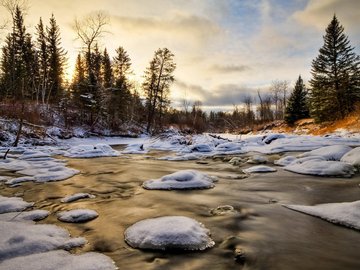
x=223 y=48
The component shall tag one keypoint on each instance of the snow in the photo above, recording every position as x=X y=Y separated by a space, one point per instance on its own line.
x=12 y=204
x=201 y=147
x=352 y=157
x=20 y=239
x=259 y=169
x=230 y=148
x=77 y=215
x=91 y=151
x=184 y=179
x=26 y=245
x=183 y=157
x=284 y=161
x=77 y=196
x=257 y=159
x=346 y=213
x=59 y=260
x=37 y=170
x=272 y=137
x=137 y=148
x=333 y=152
x=321 y=167
x=27 y=216
x=169 y=232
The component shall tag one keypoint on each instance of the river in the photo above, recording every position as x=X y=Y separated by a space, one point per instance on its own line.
x=261 y=234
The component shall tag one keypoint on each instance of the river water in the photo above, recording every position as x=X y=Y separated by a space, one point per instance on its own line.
x=261 y=234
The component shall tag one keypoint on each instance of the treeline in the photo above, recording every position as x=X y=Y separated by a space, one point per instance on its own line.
x=102 y=95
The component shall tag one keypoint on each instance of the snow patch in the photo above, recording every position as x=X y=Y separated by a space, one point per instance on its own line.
x=332 y=152
x=77 y=196
x=13 y=204
x=169 y=232
x=185 y=179
x=259 y=169
x=91 y=151
x=321 y=167
x=352 y=157
x=284 y=161
x=346 y=214
x=77 y=215
x=28 y=216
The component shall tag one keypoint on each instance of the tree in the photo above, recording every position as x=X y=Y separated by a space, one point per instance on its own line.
x=56 y=60
x=297 y=107
x=43 y=57
x=335 y=83
x=106 y=70
x=158 y=78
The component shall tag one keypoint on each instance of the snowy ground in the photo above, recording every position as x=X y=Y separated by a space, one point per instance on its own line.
x=320 y=155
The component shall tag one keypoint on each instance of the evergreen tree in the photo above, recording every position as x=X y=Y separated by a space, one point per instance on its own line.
x=78 y=85
x=19 y=61
x=335 y=83
x=56 y=60
x=297 y=107
x=120 y=100
x=43 y=58
x=158 y=78
x=107 y=74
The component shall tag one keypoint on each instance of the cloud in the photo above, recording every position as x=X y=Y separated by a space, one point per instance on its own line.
x=230 y=68
x=319 y=13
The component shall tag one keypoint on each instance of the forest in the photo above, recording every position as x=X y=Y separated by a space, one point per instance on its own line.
x=102 y=98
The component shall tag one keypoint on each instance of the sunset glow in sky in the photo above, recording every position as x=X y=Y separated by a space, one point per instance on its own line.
x=223 y=48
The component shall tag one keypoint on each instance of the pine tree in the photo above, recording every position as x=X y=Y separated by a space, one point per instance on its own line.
x=335 y=83
x=297 y=107
x=56 y=60
x=43 y=59
x=78 y=84
x=158 y=78
x=106 y=70
x=120 y=100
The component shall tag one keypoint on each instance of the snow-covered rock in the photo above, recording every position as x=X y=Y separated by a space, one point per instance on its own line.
x=27 y=216
x=284 y=161
x=259 y=169
x=34 y=155
x=21 y=238
x=321 y=167
x=272 y=137
x=229 y=148
x=185 y=179
x=352 y=157
x=13 y=204
x=169 y=232
x=77 y=215
x=346 y=214
x=76 y=196
x=59 y=260
x=236 y=161
x=201 y=147
x=257 y=159
x=90 y=151
x=137 y=148
x=332 y=152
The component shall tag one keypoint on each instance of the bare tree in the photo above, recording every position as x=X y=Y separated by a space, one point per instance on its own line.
x=89 y=29
x=10 y=6
x=279 y=91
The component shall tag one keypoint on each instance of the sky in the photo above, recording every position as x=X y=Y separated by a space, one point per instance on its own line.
x=224 y=49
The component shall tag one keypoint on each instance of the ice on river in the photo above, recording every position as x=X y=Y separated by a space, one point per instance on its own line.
x=259 y=169
x=332 y=152
x=77 y=215
x=184 y=179
x=169 y=232
x=284 y=161
x=91 y=151
x=77 y=196
x=12 y=204
x=137 y=148
x=321 y=167
x=346 y=214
